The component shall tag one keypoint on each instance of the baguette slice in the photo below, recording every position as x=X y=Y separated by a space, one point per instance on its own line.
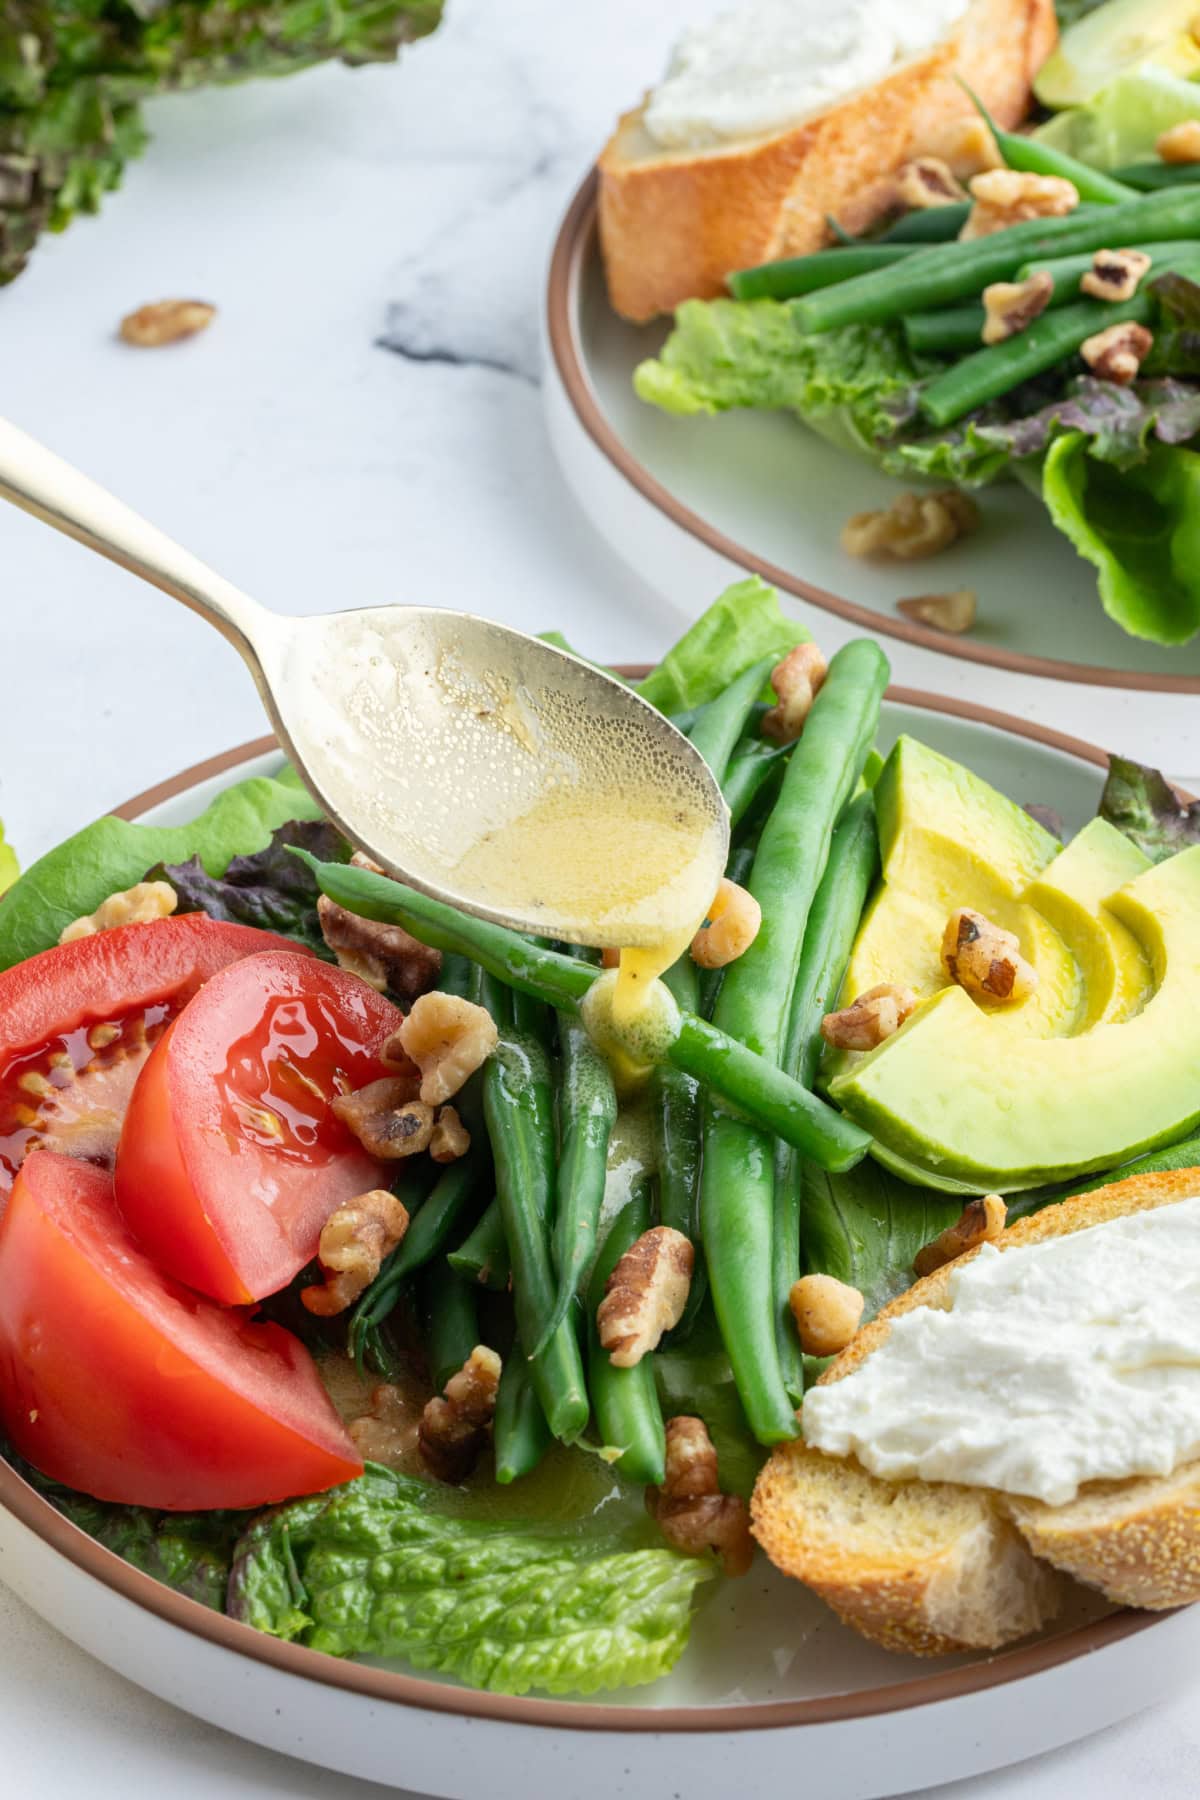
x=929 y=1567
x=674 y=223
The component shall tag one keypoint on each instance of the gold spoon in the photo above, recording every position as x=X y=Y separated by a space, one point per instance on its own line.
x=429 y=736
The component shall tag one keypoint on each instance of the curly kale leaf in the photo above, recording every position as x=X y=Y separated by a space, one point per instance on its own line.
x=372 y=1569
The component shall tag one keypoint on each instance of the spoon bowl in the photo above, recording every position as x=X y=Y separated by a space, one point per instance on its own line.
x=473 y=762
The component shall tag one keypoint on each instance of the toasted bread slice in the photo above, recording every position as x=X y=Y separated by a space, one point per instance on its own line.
x=674 y=223
x=929 y=1567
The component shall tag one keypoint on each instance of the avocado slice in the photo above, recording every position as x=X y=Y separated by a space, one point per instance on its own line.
x=1120 y=36
x=947 y=1095
x=946 y=840
x=1070 y=893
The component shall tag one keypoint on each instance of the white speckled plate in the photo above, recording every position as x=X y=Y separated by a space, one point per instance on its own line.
x=771 y=1683
x=759 y=491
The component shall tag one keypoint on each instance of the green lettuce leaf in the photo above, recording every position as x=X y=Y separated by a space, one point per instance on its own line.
x=374 y=1569
x=856 y=385
x=113 y=854
x=866 y=1226
x=741 y=627
x=1143 y=804
x=1176 y=348
x=9 y=867
x=270 y=889
x=1123 y=123
x=1140 y=527
x=190 y=1552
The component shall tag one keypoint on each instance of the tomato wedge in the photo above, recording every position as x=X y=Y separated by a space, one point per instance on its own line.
x=230 y=1159
x=119 y=1382
x=78 y=1022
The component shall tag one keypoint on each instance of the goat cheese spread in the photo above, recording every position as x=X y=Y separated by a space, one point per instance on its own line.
x=1073 y=1360
x=766 y=64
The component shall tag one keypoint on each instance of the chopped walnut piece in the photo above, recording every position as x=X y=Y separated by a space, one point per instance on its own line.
x=645 y=1295
x=388 y=1433
x=966 y=143
x=354 y=1241
x=1115 y=274
x=984 y=959
x=139 y=905
x=729 y=929
x=914 y=525
x=1005 y=197
x=954 y=612
x=1011 y=307
x=827 y=1313
x=868 y=1021
x=448 y=1038
x=980 y=1222
x=1117 y=353
x=797 y=681
x=692 y=1512
x=384 y=956
x=450 y=1139
x=386 y=1118
x=454 y=1427
x=1181 y=143
x=166 y=322
x=927 y=181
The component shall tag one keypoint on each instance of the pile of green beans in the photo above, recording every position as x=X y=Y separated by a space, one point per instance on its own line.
x=1145 y=177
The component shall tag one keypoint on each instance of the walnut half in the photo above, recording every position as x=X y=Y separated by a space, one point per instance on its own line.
x=139 y=905
x=645 y=1295
x=1117 y=353
x=692 y=1512
x=455 y=1426
x=797 y=681
x=926 y=182
x=1115 y=274
x=448 y=1038
x=954 y=612
x=914 y=525
x=354 y=1241
x=980 y=1222
x=871 y=1019
x=384 y=956
x=985 y=959
x=1005 y=197
x=1012 y=306
x=386 y=1117
x=827 y=1312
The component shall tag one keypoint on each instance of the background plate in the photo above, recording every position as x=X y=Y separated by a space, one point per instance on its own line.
x=766 y=494
x=766 y=1657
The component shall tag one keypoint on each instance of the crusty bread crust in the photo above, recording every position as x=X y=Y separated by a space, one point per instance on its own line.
x=1137 y=1541
x=673 y=224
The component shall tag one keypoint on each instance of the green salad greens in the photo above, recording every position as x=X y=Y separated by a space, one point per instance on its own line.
x=375 y=1569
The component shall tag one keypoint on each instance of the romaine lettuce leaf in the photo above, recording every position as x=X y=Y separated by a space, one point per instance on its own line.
x=1122 y=124
x=375 y=1569
x=741 y=627
x=866 y=1227
x=724 y=354
x=113 y=854
x=9 y=867
x=271 y=889
x=1140 y=527
x=1143 y=804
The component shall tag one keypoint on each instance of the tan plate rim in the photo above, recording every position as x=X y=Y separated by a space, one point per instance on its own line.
x=384 y=1685
x=576 y=244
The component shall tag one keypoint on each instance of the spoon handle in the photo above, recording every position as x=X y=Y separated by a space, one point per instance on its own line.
x=41 y=483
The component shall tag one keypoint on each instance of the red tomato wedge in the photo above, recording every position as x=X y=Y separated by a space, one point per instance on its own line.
x=119 y=1382
x=230 y=1159
x=78 y=1022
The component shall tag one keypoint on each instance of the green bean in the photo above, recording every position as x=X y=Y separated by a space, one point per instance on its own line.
x=587 y=1112
x=796 y=275
x=926 y=225
x=838 y=231
x=482 y=1257
x=518 y=1100
x=677 y=1121
x=717 y=727
x=1032 y=157
x=755 y=763
x=451 y=1322
x=1049 y=340
x=625 y=1401
x=949 y=272
x=832 y=927
x=737 y=1180
x=746 y=1080
x=951 y=328
x=459 y=975
x=522 y=1435
x=1147 y=176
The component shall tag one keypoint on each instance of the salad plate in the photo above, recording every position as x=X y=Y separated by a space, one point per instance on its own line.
x=770 y=1675
x=694 y=499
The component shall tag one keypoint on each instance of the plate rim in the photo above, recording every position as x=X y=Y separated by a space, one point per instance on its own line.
x=94 y=1560
x=576 y=242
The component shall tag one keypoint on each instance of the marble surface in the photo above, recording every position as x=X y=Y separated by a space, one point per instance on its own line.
x=362 y=422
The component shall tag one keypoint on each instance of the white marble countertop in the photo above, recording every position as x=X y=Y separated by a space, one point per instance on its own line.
x=362 y=421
